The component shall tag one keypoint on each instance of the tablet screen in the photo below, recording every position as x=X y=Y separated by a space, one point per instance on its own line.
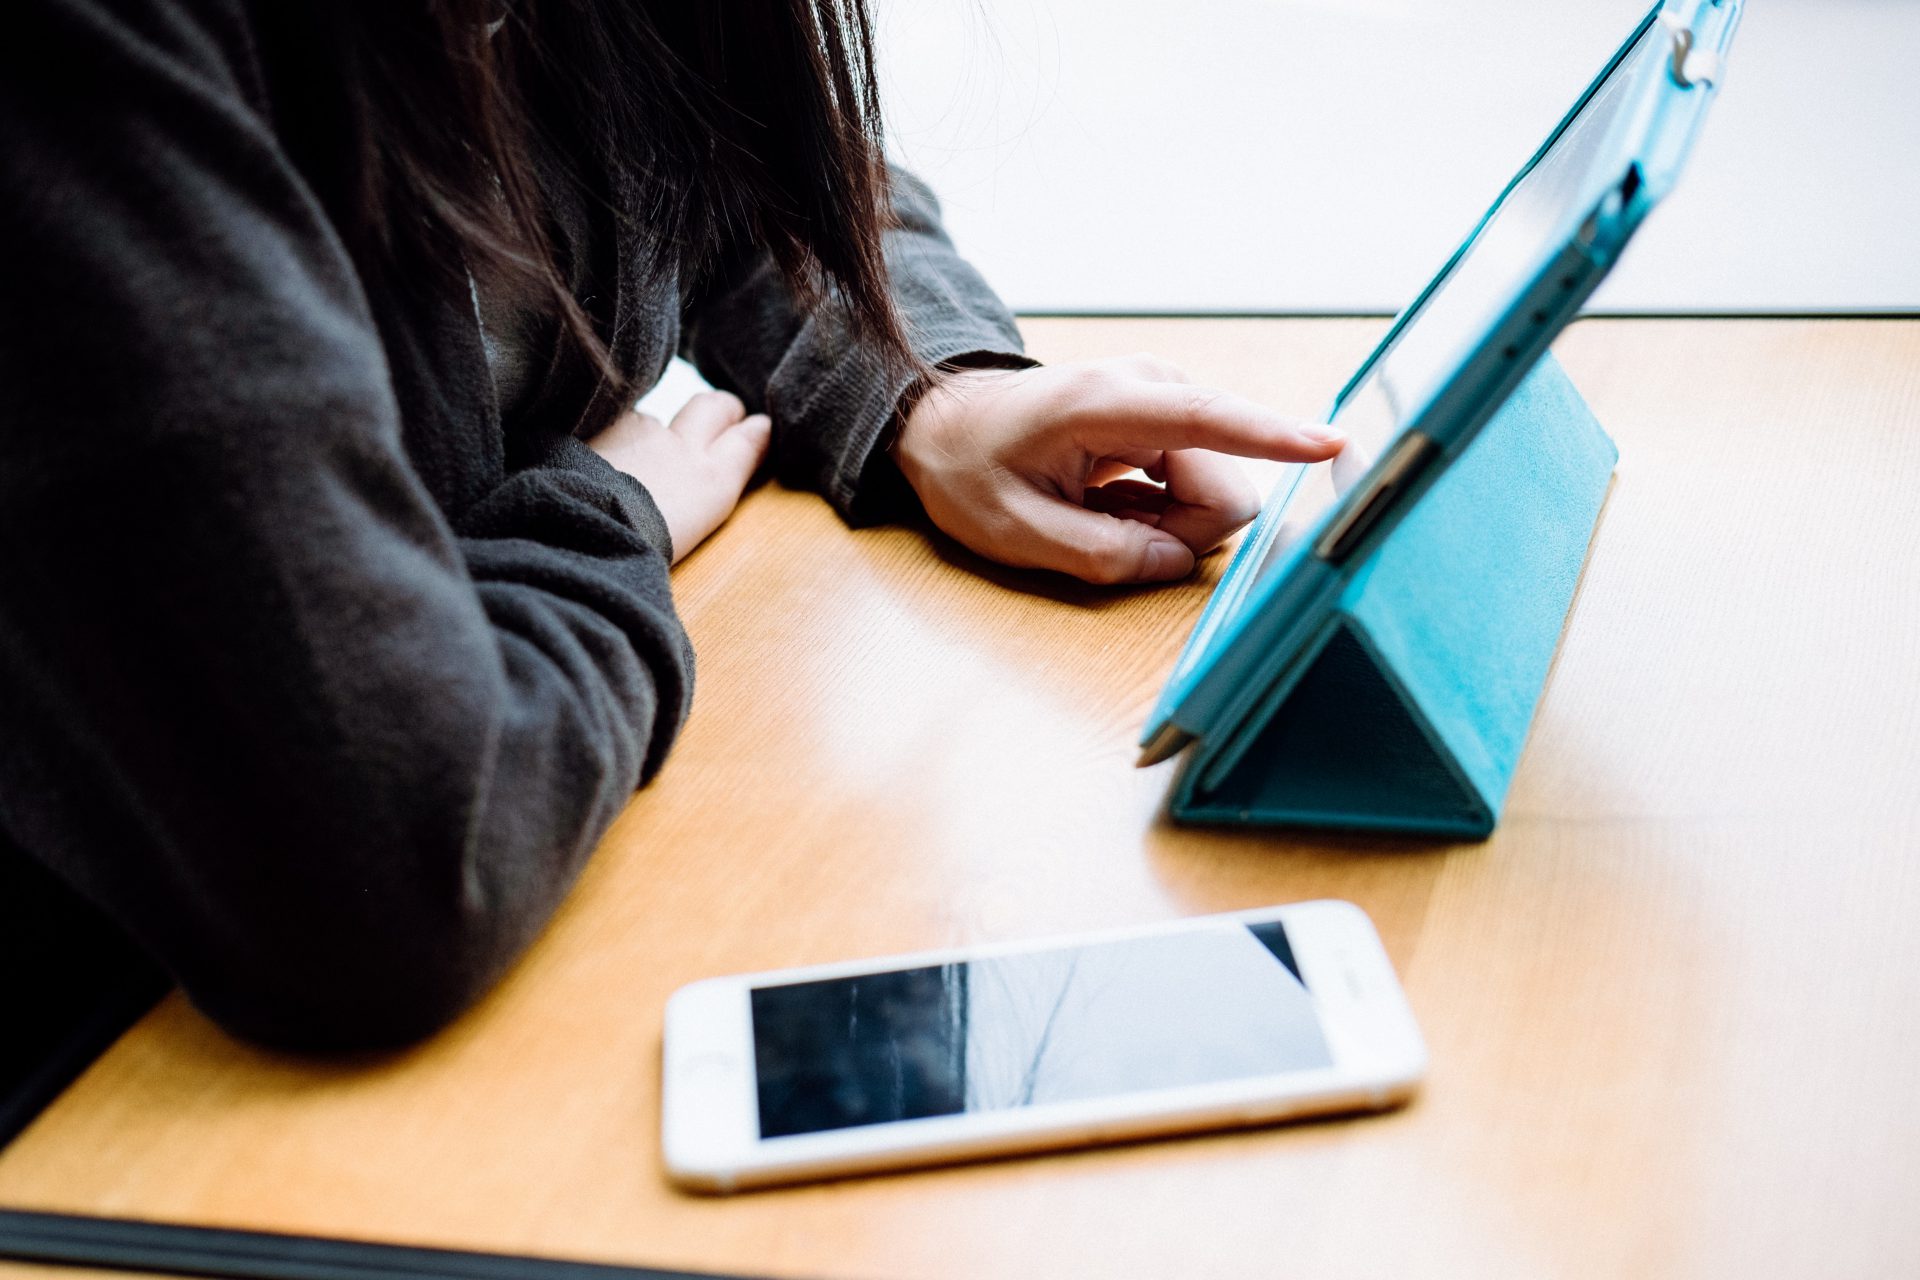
x=1523 y=232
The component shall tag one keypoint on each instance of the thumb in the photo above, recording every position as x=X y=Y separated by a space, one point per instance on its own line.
x=1095 y=547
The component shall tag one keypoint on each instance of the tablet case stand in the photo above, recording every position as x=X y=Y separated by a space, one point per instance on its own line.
x=1410 y=712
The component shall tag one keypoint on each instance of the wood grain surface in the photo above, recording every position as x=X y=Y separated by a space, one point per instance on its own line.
x=1673 y=1005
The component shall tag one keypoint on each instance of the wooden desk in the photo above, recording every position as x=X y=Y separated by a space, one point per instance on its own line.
x=1673 y=1006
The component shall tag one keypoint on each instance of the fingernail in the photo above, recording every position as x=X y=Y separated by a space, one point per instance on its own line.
x=1167 y=559
x=1144 y=517
x=1325 y=433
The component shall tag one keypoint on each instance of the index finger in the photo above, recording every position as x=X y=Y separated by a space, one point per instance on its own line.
x=1134 y=413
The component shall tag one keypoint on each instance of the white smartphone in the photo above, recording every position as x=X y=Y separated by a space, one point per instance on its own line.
x=1204 y=1023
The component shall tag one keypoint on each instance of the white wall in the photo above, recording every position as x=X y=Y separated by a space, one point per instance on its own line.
x=1326 y=155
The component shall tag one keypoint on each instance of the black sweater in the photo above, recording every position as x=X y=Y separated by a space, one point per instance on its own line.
x=316 y=677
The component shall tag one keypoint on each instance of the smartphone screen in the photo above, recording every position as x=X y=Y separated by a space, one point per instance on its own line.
x=1017 y=1030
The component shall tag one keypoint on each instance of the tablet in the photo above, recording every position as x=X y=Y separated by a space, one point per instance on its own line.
x=1449 y=361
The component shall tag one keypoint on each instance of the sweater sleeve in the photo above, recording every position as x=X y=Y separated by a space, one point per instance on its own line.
x=830 y=398
x=330 y=758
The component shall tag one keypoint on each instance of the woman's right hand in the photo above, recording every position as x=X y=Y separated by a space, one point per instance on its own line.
x=695 y=467
x=1109 y=470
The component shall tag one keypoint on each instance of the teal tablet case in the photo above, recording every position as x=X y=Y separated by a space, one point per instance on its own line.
x=1408 y=710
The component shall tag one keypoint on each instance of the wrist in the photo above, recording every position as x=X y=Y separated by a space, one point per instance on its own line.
x=930 y=411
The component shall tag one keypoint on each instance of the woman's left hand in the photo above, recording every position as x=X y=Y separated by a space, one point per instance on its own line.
x=1031 y=467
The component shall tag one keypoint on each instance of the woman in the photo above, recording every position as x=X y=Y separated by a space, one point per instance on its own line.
x=334 y=612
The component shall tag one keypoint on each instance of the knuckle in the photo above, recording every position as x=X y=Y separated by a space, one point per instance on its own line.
x=1085 y=392
x=1205 y=411
x=1094 y=381
x=724 y=400
x=1156 y=368
x=1108 y=557
x=1202 y=403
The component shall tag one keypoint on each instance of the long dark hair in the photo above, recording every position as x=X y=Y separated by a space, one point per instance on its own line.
x=735 y=122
